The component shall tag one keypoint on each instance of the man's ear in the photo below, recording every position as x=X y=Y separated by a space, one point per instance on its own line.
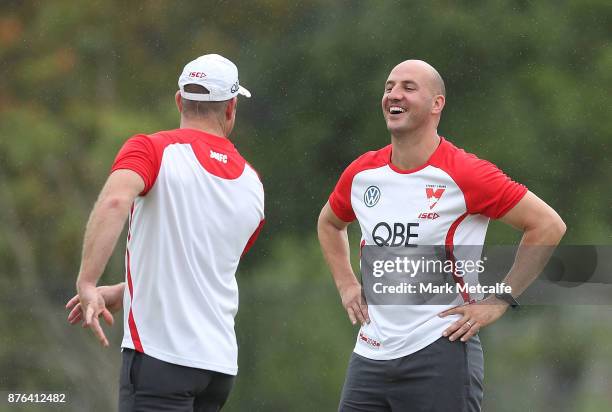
x=231 y=108
x=178 y=99
x=438 y=104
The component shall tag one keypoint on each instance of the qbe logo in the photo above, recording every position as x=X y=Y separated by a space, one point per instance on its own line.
x=371 y=196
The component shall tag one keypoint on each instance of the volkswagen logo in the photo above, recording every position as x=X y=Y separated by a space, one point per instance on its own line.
x=371 y=196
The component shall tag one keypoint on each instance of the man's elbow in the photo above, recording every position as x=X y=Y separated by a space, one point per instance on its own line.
x=115 y=203
x=560 y=227
x=554 y=227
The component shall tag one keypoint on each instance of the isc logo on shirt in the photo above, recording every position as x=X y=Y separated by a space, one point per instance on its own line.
x=218 y=156
x=430 y=216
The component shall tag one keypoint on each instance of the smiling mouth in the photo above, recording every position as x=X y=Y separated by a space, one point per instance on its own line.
x=396 y=110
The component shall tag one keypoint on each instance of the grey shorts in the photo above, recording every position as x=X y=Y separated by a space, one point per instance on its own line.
x=149 y=384
x=442 y=377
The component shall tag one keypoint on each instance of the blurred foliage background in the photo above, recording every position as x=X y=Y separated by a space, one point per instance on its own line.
x=528 y=88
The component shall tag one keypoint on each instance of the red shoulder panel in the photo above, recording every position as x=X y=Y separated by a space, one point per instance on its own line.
x=487 y=190
x=143 y=154
x=340 y=198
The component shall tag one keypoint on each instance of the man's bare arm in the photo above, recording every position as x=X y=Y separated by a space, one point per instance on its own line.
x=106 y=223
x=542 y=231
x=103 y=229
x=334 y=242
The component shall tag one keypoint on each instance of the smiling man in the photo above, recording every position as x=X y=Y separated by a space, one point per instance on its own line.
x=426 y=191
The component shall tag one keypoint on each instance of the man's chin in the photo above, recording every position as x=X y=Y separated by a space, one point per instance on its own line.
x=396 y=129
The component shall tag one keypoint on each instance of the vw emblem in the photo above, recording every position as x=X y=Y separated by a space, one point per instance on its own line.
x=371 y=196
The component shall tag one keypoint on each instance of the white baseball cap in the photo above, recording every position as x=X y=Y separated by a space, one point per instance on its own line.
x=214 y=72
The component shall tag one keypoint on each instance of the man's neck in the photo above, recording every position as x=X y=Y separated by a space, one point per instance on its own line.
x=211 y=126
x=413 y=150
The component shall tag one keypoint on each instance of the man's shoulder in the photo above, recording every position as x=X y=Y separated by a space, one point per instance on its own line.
x=457 y=161
x=161 y=139
x=163 y=136
x=451 y=150
x=486 y=188
x=370 y=160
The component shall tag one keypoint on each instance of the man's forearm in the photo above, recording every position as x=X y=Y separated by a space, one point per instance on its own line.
x=335 y=247
x=535 y=249
x=334 y=243
x=103 y=229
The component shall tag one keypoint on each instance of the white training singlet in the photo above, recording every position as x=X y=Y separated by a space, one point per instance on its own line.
x=200 y=211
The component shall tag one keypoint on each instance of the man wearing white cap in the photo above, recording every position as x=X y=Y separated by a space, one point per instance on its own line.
x=195 y=206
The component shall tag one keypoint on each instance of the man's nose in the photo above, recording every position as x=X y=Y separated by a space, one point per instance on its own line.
x=394 y=94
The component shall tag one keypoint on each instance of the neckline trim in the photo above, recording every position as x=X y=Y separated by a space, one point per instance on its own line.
x=415 y=169
x=209 y=137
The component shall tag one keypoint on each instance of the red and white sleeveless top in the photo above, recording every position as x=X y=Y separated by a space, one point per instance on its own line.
x=200 y=211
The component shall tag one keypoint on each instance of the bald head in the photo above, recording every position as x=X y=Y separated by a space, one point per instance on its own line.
x=427 y=72
x=414 y=98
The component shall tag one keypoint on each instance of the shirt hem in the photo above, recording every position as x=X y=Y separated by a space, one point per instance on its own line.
x=346 y=217
x=177 y=360
x=398 y=354
x=512 y=203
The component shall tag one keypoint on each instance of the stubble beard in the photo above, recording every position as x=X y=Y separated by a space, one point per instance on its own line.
x=408 y=127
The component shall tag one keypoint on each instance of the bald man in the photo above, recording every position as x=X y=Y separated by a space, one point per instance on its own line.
x=422 y=190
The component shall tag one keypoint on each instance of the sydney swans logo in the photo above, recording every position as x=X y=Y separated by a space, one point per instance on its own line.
x=433 y=196
x=371 y=196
